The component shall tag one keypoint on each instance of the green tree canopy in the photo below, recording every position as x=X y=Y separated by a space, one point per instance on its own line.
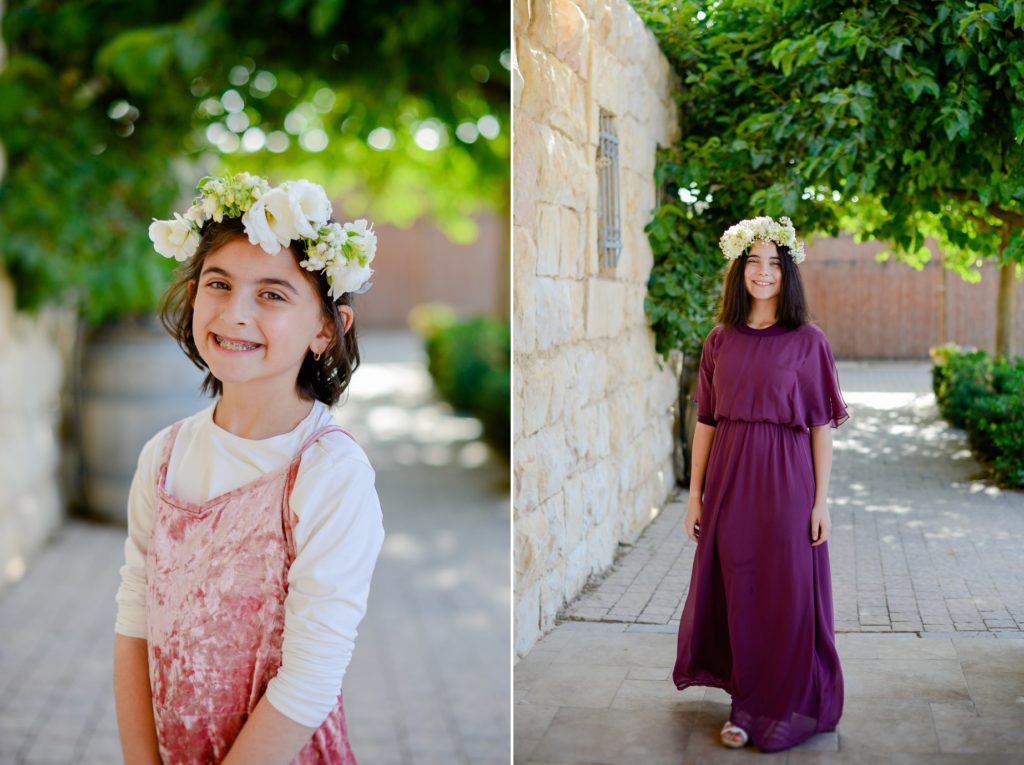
x=895 y=121
x=111 y=111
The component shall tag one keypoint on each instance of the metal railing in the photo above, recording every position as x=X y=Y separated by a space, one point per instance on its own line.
x=608 y=227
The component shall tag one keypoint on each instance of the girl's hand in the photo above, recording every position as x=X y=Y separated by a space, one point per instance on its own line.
x=692 y=520
x=821 y=524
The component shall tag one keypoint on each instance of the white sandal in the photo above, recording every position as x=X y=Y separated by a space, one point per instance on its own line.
x=733 y=730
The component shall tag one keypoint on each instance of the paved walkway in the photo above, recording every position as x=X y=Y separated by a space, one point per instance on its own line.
x=429 y=680
x=923 y=546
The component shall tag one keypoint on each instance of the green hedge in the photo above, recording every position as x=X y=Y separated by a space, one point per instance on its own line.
x=984 y=396
x=469 y=360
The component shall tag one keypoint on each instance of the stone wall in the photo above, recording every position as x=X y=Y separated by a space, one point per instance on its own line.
x=34 y=352
x=593 y=408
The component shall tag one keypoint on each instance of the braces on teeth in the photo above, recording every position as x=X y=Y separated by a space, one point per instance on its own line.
x=231 y=345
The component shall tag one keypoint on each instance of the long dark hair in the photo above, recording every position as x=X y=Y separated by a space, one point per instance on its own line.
x=324 y=380
x=736 y=301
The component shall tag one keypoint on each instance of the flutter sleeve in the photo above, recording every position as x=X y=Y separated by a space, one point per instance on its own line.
x=705 y=379
x=822 y=399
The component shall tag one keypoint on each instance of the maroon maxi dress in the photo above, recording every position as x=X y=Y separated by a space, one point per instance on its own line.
x=758 y=616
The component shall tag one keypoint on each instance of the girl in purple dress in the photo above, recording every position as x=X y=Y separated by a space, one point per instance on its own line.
x=758 y=616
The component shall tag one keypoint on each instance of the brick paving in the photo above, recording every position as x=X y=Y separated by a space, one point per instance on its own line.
x=927 y=565
x=921 y=540
x=429 y=679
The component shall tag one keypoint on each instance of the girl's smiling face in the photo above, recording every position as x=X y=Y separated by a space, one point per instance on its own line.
x=255 y=316
x=763 y=272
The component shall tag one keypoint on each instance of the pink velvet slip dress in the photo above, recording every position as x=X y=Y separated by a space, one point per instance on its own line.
x=216 y=581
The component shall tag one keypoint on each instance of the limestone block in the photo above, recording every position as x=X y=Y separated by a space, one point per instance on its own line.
x=536 y=401
x=555 y=311
x=573 y=257
x=605 y=313
x=31 y=372
x=535 y=544
x=600 y=446
x=518 y=83
x=606 y=26
x=577 y=571
x=552 y=92
x=597 y=494
x=560 y=382
x=527 y=617
x=522 y=11
x=549 y=240
x=524 y=318
x=632 y=145
x=592 y=375
x=626 y=408
x=552 y=461
x=643 y=259
x=563 y=169
x=518 y=399
x=552 y=596
x=571 y=33
x=607 y=84
x=578 y=298
x=575 y=435
x=528 y=151
x=28 y=450
x=541 y=32
x=635 y=314
x=602 y=544
x=657 y=69
x=627 y=465
x=639 y=100
x=583 y=361
x=527 y=474
x=577 y=517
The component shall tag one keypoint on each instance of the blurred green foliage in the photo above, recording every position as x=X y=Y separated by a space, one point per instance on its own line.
x=469 y=360
x=984 y=396
x=894 y=121
x=111 y=111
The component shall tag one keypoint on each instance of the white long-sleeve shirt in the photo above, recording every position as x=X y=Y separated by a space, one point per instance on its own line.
x=337 y=540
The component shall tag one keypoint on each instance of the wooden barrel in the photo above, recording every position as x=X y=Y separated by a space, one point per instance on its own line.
x=134 y=381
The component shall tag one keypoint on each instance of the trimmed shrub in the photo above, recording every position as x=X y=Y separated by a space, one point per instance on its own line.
x=985 y=396
x=469 y=360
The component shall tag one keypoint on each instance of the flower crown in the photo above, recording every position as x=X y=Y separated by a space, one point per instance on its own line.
x=273 y=218
x=738 y=238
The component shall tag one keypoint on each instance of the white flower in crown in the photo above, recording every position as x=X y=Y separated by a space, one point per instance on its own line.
x=271 y=222
x=273 y=218
x=311 y=208
x=174 y=238
x=344 y=253
x=737 y=238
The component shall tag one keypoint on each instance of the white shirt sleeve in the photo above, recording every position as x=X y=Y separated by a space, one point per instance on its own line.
x=131 y=594
x=337 y=540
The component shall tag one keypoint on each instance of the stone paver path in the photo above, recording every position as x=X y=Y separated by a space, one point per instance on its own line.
x=921 y=541
x=928 y=579
x=429 y=679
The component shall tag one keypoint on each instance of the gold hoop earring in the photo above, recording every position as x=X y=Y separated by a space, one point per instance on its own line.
x=316 y=356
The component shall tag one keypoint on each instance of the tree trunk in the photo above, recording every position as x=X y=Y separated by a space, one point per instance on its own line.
x=1004 y=310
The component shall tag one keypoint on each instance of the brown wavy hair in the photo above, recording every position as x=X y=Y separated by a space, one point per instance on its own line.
x=792 y=306
x=324 y=380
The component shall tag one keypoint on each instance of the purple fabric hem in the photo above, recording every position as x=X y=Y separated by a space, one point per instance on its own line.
x=707 y=420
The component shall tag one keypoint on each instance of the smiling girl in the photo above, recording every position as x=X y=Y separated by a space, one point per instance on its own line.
x=254 y=525
x=757 y=620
